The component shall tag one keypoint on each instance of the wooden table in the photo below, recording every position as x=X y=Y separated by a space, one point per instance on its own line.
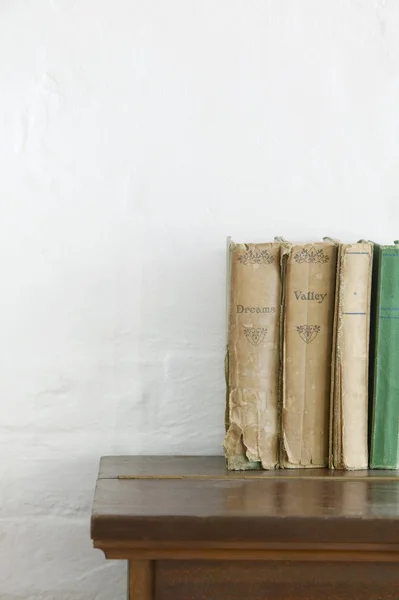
x=193 y=531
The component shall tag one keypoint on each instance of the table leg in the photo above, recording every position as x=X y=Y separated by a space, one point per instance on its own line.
x=140 y=580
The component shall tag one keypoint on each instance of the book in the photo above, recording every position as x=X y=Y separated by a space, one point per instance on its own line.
x=252 y=357
x=385 y=373
x=350 y=366
x=309 y=293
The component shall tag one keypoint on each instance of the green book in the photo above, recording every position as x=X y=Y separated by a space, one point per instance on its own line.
x=384 y=350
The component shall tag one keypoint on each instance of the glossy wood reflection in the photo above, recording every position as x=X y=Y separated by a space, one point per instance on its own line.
x=250 y=510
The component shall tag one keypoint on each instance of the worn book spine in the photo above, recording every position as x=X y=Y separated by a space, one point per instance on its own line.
x=307 y=353
x=349 y=385
x=334 y=432
x=252 y=371
x=385 y=402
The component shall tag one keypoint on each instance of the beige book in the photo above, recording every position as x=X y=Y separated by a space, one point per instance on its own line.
x=310 y=273
x=253 y=311
x=349 y=389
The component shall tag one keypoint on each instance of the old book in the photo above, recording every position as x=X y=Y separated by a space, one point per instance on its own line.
x=385 y=349
x=309 y=290
x=349 y=381
x=252 y=365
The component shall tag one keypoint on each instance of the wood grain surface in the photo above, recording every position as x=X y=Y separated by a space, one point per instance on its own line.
x=214 y=467
x=200 y=580
x=160 y=502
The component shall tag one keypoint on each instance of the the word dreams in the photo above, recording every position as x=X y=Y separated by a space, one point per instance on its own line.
x=255 y=309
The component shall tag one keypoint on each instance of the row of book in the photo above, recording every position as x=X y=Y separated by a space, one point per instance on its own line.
x=312 y=362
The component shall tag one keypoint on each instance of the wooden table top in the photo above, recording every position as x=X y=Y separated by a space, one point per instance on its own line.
x=191 y=499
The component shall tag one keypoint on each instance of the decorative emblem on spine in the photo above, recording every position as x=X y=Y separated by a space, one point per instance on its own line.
x=311 y=255
x=255 y=257
x=308 y=332
x=255 y=335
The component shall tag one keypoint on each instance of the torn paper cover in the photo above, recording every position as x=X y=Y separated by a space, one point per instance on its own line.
x=252 y=371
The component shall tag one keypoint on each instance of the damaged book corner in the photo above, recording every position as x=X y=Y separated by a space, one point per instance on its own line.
x=252 y=357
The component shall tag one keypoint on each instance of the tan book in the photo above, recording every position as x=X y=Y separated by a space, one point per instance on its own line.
x=252 y=366
x=350 y=377
x=309 y=288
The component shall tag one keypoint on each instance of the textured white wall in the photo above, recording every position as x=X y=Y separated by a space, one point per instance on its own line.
x=134 y=136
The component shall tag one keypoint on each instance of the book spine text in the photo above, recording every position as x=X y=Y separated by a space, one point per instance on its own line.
x=253 y=356
x=307 y=346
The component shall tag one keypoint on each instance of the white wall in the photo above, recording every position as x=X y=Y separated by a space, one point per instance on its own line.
x=134 y=136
